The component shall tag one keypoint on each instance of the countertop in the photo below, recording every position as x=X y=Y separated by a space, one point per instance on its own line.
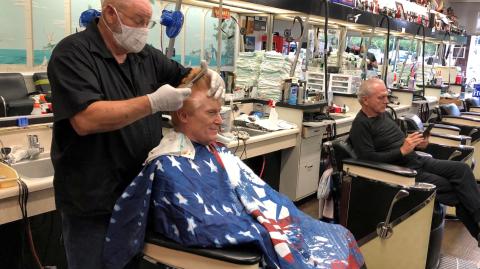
x=341 y=118
x=37 y=184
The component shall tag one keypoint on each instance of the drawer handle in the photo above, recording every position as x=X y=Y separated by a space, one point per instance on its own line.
x=308 y=166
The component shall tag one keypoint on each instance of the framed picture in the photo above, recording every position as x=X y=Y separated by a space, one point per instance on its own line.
x=400 y=12
x=249 y=43
x=459 y=52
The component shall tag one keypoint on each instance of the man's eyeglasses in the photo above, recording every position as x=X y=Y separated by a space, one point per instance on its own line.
x=151 y=24
x=140 y=22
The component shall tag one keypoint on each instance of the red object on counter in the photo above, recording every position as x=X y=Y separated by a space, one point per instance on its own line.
x=458 y=79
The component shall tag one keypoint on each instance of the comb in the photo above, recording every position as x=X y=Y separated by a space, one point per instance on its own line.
x=200 y=74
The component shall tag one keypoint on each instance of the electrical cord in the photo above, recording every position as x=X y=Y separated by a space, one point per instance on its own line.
x=23 y=201
x=423 y=56
x=325 y=48
x=385 y=61
x=263 y=167
x=244 y=141
x=288 y=32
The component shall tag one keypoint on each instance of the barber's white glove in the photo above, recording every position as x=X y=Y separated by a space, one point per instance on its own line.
x=217 y=86
x=168 y=98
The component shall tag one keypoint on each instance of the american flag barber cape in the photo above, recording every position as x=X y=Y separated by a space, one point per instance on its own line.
x=200 y=203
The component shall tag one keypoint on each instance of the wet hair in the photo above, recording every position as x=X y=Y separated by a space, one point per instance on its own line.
x=191 y=103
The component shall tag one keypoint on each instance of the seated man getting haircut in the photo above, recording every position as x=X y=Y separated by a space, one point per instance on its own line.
x=376 y=137
x=198 y=194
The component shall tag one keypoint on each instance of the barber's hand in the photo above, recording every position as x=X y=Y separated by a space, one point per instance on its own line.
x=168 y=98
x=217 y=86
x=411 y=141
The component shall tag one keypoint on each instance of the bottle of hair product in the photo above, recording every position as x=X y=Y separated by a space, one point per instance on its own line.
x=292 y=99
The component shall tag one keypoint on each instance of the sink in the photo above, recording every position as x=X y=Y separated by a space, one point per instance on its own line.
x=38 y=168
x=250 y=131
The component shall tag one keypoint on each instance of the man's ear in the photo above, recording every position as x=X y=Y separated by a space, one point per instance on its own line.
x=182 y=115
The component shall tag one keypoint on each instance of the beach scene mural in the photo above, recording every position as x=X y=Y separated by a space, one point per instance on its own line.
x=49 y=28
x=12 y=33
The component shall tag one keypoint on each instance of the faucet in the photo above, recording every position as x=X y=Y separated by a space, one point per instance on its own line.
x=34 y=148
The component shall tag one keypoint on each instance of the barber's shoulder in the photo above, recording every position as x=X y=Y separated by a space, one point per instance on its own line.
x=71 y=44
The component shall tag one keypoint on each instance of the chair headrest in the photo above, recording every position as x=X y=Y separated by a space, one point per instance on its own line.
x=450 y=110
x=413 y=122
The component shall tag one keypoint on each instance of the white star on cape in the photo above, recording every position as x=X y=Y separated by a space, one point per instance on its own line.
x=227 y=209
x=207 y=212
x=175 y=163
x=195 y=167
x=191 y=225
x=165 y=200
x=159 y=166
x=213 y=167
x=246 y=234
x=181 y=199
x=215 y=209
x=175 y=230
x=231 y=240
x=199 y=198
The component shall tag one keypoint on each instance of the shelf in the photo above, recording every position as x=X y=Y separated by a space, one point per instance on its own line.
x=341 y=12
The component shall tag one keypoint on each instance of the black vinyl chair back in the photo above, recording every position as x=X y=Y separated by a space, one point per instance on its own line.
x=412 y=122
x=12 y=86
x=472 y=102
x=450 y=110
x=42 y=85
x=342 y=149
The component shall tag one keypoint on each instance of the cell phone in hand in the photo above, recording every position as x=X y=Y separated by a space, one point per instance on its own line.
x=427 y=131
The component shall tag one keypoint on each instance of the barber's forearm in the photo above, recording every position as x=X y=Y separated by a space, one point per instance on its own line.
x=105 y=116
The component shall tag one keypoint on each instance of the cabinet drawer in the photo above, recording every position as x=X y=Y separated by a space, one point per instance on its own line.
x=310 y=148
x=313 y=131
x=308 y=176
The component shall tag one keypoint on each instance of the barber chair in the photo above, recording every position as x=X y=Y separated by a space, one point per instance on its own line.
x=167 y=252
x=375 y=189
x=14 y=99
x=472 y=104
x=469 y=124
x=460 y=150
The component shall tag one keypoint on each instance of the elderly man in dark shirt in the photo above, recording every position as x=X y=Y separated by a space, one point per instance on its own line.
x=376 y=137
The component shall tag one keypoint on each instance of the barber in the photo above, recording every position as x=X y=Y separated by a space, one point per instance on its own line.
x=376 y=137
x=370 y=58
x=107 y=87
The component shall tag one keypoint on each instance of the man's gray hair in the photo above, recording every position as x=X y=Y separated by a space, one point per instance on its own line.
x=366 y=88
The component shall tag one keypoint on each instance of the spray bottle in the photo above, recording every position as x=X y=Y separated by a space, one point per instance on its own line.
x=273 y=116
x=37 y=110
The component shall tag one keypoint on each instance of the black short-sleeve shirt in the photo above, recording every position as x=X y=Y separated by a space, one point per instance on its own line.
x=92 y=171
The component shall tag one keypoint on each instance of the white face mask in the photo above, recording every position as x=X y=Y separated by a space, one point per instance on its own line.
x=132 y=39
